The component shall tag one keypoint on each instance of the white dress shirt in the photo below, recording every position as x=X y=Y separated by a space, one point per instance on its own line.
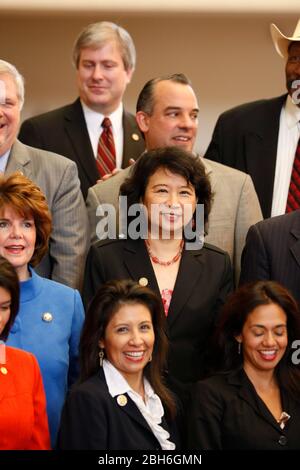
x=3 y=161
x=152 y=409
x=289 y=133
x=94 y=126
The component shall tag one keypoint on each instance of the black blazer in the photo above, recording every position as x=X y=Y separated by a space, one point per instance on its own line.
x=272 y=252
x=64 y=131
x=202 y=285
x=246 y=138
x=227 y=413
x=93 y=420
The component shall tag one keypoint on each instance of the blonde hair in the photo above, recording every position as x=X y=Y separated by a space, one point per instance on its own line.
x=96 y=35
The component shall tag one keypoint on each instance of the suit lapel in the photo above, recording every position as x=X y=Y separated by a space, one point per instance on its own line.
x=19 y=160
x=138 y=263
x=127 y=406
x=133 y=145
x=77 y=132
x=261 y=150
x=190 y=270
x=248 y=393
x=133 y=412
x=7 y=384
x=295 y=234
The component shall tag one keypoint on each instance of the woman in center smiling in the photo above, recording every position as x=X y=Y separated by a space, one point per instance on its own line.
x=192 y=283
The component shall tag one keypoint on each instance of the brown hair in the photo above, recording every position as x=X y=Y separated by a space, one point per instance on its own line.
x=10 y=282
x=107 y=301
x=233 y=317
x=25 y=197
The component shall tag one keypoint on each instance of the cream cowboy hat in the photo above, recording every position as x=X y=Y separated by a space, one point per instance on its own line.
x=282 y=42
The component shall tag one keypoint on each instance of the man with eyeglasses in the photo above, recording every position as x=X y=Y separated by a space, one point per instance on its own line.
x=262 y=137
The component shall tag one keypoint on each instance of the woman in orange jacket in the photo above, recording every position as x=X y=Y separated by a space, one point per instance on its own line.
x=23 y=423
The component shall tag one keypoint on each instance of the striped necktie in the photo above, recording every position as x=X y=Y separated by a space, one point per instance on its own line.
x=106 y=153
x=293 y=200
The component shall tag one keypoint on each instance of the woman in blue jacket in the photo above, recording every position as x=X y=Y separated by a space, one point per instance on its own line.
x=51 y=314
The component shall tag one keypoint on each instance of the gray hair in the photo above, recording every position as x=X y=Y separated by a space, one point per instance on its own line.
x=96 y=35
x=6 y=67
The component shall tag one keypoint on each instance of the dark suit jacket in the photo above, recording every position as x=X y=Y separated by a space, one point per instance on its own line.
x=64 y=131
x=203 y=282
x=272 y=251
x=227 y=413
x=246 y=138
x=93 y=420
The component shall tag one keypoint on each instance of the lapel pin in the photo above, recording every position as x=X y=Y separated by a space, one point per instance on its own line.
x=143 y=281
x=47 y=317
x=135 y=137
x=122 y=400
x=3 y=370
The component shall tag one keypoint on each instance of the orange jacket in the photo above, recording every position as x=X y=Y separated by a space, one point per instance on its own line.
x=23 y=422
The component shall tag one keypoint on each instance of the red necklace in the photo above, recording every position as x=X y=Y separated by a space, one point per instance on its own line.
x=165 y=263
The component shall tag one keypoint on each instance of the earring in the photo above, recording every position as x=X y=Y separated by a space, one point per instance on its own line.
x=239 y=347
x=101 y=356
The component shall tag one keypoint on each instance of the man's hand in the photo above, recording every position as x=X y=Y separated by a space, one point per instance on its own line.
x=114 y=172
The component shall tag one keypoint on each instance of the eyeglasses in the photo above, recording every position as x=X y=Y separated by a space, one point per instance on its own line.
x=294 y=59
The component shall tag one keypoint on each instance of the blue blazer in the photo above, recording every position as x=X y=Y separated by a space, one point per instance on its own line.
x=54 y=343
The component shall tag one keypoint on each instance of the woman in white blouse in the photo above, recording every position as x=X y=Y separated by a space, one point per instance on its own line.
x=121 y=402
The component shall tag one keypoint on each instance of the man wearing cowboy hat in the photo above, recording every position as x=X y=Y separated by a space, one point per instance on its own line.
x=261 y=137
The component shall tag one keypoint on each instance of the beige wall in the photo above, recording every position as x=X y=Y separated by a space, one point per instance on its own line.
x=229 y=58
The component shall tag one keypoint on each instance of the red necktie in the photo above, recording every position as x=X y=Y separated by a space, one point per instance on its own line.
x=293 y=200
x=106 y=153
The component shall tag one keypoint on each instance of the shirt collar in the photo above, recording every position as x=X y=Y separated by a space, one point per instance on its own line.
x=292 y=113
x=3 y=161
x=117 y=384
x=94 y=119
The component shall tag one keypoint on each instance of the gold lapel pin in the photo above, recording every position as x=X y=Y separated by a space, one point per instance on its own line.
x=135 y=137
x=3 y=370
x=143 y=281
x=47 y=317
x=122 y=400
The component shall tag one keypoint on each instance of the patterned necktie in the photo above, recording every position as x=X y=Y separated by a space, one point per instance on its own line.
x=293 y=200
x=106 y=153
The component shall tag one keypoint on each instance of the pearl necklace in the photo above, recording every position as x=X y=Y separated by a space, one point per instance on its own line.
x=156 y=260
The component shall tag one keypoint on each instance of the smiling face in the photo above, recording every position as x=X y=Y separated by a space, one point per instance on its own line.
x=129 y=340
x=264 y=338
x=102 y=78
x=5 y=302
x=170 y=202
x=17 y=240
x=10 y=109
x=174 y=118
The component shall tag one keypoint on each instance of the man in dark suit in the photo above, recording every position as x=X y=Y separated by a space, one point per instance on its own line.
x=104 y=57
x=55 y=175
x=272 y=251
x=261 y=137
